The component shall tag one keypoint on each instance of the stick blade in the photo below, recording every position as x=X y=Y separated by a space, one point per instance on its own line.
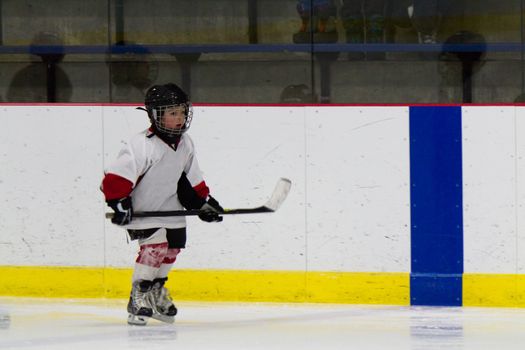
x=279 y=194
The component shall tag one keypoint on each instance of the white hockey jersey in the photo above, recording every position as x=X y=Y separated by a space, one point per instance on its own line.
x=154 y=169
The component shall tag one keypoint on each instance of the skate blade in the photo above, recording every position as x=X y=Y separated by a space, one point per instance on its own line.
x=135 y=320
x=163 y=318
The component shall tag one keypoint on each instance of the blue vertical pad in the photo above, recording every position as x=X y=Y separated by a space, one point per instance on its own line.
x=436 y=205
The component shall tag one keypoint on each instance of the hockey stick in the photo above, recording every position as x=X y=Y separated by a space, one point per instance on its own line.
x=277 y=198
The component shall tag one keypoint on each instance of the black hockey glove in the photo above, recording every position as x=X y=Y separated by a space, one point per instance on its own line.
x=211 y=210
x=123 y=210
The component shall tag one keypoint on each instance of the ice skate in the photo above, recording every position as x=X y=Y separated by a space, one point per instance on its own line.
x=139 y=309
x=163 y=308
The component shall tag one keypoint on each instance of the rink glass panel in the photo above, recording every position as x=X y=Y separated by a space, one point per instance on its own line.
x=253 y=51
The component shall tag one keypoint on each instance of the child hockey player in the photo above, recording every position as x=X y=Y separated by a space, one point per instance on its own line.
x=158 y=171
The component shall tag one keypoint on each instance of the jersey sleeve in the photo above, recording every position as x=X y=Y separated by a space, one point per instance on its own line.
x=122 y=175
x=188 y=196
x=115 y=187
x=193 y=172
x=192 y=189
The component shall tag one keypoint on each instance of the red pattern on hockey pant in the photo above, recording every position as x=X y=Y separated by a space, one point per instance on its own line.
x=152 y=254
x=171 y=256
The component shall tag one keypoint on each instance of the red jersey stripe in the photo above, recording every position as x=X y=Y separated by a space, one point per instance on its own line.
x=116 y=187
x=202 y=190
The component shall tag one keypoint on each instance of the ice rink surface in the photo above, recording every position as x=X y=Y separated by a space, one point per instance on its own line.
x=101 y=324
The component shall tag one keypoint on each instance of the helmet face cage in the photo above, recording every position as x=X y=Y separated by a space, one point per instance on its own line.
x=160 y=98
x=157 y=114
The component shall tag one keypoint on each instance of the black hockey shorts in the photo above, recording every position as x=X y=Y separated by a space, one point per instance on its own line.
x=176 y=236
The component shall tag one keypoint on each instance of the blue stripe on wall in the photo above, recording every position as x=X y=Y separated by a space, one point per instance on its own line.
x=436 y=206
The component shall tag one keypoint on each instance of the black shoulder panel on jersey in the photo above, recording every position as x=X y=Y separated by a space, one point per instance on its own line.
x=188 y=197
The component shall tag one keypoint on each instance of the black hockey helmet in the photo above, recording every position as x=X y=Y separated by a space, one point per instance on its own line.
x=161 y=97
